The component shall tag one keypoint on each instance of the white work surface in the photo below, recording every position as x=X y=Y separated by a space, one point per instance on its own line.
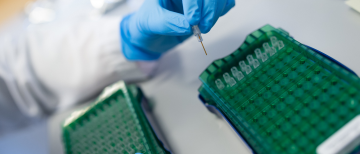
x=327 y=25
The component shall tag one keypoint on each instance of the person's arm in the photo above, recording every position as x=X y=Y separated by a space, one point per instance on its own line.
x=55 y=65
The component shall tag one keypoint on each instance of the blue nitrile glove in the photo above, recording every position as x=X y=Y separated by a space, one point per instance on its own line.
x=159 y=25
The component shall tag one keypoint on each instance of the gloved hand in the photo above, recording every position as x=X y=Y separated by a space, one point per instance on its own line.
x=159 y=25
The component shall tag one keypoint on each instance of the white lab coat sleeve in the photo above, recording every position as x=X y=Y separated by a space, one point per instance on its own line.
x=56 y=65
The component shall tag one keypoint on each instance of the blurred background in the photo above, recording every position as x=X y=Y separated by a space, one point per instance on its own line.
x=331 y=26
x=9 y=8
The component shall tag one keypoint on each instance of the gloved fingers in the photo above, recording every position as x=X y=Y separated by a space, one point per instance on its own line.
x=173 y=5
x=165 y=43
x=183 y=38
x=211 y=11
x=230 y=4
x=192 y=10
x=165 y=22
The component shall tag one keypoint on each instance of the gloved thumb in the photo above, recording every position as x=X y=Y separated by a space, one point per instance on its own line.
x=165 y=22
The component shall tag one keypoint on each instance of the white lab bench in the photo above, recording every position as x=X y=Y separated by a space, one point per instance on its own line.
x=327 y=25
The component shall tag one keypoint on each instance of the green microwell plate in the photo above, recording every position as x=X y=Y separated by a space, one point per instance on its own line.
x=280 y=95
x=114 y=123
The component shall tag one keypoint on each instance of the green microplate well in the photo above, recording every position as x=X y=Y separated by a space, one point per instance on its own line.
x=114 y=123
x=289 y=102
